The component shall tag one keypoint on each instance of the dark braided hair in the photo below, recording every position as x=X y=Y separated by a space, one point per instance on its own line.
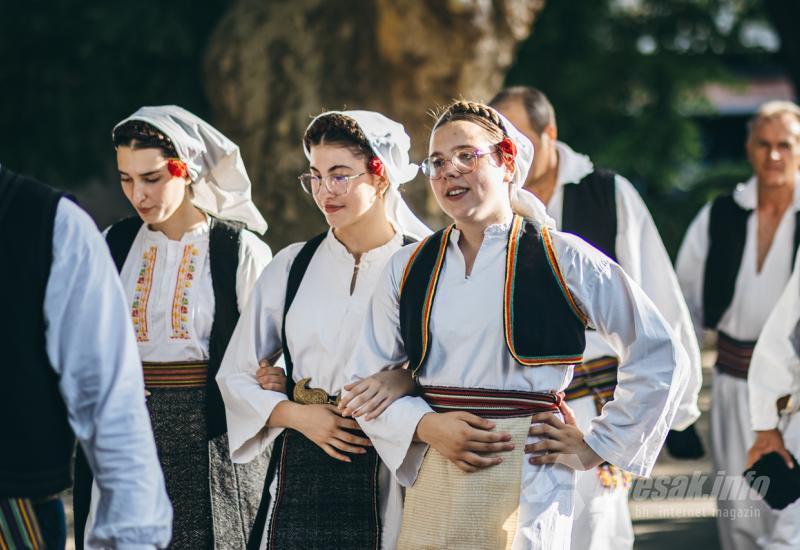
x=138 y=134
x=477 y=113
x=338 y=129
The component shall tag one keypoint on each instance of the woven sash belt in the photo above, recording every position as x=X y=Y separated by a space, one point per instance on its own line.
x=188 y=374
x=733 y=356
x=597 y=378
x=491 y=403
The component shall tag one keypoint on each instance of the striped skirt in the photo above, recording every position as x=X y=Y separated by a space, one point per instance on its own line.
x=19 y=528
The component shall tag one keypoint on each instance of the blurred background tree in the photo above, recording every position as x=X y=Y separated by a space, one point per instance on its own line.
x=633 y=82
x=627 y=80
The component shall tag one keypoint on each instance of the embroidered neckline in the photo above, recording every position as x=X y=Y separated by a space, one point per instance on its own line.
x=141 y=294
x=180 y=299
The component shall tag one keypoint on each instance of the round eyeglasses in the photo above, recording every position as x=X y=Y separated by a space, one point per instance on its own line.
x=463 y=160
x=335 y=185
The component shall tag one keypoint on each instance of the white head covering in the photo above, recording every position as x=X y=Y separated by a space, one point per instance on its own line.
x=523 y=202
x=219 y=179
x=390 y=143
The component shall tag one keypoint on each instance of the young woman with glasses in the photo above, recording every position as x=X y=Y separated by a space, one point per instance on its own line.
x=490 y=314
x=326 y=487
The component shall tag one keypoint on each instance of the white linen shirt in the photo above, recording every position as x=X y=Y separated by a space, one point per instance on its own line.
x=170 y=292
x=775 y=367
x=756 y=292
x=642 y=255
x=323 y=326
x=468 y=350
x=91 y=346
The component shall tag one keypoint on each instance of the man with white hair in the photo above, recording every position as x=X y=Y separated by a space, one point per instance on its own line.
x=733 y=265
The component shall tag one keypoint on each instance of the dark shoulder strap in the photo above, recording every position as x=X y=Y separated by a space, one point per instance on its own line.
x=590 y=210
x=796 y=241
x=296 y=274
x=417 y=288
x=223 y=251
x=120 y=237
x=727 y=233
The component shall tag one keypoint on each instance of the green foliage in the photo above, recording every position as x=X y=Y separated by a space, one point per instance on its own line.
x=623 y=77
x=71 y=69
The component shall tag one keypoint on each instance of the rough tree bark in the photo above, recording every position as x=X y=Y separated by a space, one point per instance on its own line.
x=272 y=64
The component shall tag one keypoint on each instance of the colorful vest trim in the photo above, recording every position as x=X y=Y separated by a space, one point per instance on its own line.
x=531 y=258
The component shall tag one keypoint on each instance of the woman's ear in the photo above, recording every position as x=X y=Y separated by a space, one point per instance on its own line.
x=382 y=185
x=511 y=168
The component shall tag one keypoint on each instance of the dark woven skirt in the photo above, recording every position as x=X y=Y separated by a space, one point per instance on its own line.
x=214 y=501
x=320 y=502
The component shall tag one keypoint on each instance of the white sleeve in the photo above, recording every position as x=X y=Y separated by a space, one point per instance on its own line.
x=653 y=371
x=254 y=255
x=642 y=255
x=381 y=347
x=775 y=367
x=257 y=336
x=691 y=267
x=91 y=345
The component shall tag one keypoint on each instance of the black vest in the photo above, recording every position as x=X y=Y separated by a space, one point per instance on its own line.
x=37 y=439
x=224 y=241
x=727 y=234
x=542 y=323
x=590 y=211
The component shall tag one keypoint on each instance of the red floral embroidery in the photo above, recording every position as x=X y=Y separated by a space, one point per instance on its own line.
x=375 y=166
x=508 y=147
x=177 y=168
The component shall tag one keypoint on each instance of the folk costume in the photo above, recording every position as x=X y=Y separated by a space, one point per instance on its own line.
x=81 y=379
x=773 y=375
x=727 y=293
x=184 y=298
x=502 y=343
x=604 y=209
x=310 y=302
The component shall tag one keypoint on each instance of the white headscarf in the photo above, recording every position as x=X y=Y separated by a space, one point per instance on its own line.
x=390 y=143
x=219 y=179
x=523 y=202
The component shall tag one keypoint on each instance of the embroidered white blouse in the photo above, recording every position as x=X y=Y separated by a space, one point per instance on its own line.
x=775 y=368
x=468 y=350
x=756 y=292
x=170 y=293
x=642 y=255
x=322 y=329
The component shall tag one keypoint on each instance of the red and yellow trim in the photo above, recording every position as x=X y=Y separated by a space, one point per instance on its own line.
x=514 y=236
x=427 y=306
x=553 y=260
x=410 y=262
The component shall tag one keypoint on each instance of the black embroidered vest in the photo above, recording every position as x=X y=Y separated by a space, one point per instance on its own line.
x=542 y=323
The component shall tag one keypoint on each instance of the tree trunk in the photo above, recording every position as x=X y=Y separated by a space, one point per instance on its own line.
x=271 y=65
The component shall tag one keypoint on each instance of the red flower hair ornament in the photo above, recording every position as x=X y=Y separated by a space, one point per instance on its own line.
x=508 y=148
x=375 y=166
x=177 y=168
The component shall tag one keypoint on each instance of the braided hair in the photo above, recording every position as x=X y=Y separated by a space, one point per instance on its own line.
x=338 y=129
x=474 y=112
x=138 y=134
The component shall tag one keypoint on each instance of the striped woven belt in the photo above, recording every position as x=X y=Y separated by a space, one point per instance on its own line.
x=733 y=356
x=190 y=374
x=19 y=527
x=491 y=403
x=597 y=378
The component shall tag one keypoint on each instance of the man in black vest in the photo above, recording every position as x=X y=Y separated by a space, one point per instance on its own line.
x=733 y=264
x=70 y=368
x=604 y=209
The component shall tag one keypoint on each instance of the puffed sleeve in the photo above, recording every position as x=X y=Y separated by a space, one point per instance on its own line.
x=257 y=336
